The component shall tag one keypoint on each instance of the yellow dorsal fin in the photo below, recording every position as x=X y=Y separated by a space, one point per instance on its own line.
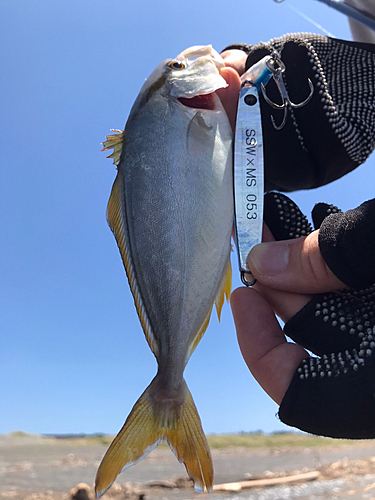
x=115 y=142
x=115 y=211
x=224 y=291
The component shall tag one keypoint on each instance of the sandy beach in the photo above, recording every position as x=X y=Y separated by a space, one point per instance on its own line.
x=33 y=467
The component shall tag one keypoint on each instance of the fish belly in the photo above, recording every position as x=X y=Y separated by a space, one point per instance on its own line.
x=178 y=199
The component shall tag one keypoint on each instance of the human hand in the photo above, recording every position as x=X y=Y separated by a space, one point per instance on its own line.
x=236 y=59
x=285 y=304
x=295 y=265
x=235 y=66
x=345 y=137
x=270 y=358
x=229 y=95
x=330 y=395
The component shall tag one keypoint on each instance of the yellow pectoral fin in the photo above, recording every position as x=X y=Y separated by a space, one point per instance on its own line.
x=115 y=142
x=224 y=290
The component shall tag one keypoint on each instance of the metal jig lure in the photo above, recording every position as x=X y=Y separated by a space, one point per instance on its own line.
x=248 y=153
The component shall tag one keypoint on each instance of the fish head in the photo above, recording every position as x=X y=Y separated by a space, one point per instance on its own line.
x=192 y=78
x=195 y=72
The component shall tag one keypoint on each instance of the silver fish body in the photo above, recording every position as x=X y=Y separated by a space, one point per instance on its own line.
x=171 y=210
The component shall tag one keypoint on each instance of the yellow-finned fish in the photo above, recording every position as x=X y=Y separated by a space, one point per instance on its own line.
x=171 y=211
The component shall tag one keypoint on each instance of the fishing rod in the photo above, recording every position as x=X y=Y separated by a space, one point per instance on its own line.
x=355 y=14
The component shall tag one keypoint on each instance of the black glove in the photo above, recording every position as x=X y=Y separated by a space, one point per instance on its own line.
x=335 y=131
x=347 y=243
x=334 y=394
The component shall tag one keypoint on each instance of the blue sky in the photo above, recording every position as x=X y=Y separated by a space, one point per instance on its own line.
x=73 y=356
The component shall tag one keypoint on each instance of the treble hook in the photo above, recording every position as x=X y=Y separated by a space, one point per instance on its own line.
x=277 y=68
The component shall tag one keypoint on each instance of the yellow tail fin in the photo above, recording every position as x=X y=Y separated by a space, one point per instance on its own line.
x=151 y=421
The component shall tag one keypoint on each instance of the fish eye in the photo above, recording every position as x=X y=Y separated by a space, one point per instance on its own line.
x=176 y=65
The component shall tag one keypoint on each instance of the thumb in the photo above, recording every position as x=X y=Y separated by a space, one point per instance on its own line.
x=293 y=265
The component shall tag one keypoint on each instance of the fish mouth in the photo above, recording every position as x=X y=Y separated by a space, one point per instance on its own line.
x=210 y=100
x=204 y=101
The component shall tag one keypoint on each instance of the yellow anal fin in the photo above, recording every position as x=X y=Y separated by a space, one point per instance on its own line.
x=115 y=218
x=199 y=335
x=115 y=142
x=224 y=289
x=150 y=421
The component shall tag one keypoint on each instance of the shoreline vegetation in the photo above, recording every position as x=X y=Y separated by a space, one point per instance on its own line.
x=255 y=440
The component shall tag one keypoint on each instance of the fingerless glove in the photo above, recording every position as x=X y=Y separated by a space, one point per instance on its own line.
x=332 y=394
x=335 y=131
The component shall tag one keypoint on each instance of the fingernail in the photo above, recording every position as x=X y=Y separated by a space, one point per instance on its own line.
x=269 y=258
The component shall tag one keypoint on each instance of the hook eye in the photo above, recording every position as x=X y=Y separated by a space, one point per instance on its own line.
x=275 y=64
x=244 y=279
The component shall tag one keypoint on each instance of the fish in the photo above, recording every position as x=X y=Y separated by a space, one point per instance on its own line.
x=171 y=212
